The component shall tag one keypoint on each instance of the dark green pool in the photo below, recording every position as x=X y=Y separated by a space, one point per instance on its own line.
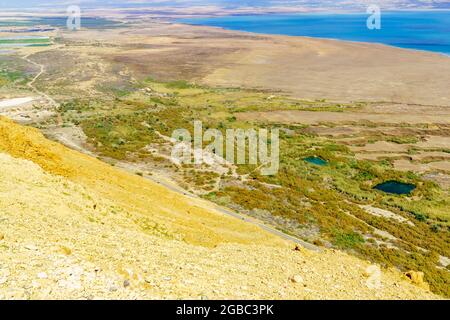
x=316 y=160
x=395 y=187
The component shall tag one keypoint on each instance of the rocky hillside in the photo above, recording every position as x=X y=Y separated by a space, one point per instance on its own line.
x=74 y=227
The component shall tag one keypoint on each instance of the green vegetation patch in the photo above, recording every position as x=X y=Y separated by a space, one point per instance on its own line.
x=11 y=77
x=348 y=240
x=25 y=41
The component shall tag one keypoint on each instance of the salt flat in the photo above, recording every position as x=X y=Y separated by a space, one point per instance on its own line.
x=15 y=102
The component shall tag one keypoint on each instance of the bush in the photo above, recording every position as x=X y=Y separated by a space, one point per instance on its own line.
x=347 y=240
x=420 y=217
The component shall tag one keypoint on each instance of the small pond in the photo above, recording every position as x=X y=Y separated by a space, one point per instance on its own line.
x=316 y=160
x=395 y=187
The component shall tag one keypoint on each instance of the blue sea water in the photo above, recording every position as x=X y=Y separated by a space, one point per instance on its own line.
x=419 y=30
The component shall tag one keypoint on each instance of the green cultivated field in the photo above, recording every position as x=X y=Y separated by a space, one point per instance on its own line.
x=25 y=40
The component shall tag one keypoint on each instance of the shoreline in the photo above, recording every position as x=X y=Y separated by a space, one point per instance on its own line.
x=176 y=20
x=447 y=55
x=193 y=24
x=316 y=59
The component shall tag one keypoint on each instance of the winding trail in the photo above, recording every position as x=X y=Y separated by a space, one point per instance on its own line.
x=31 y=83
x=132 y=168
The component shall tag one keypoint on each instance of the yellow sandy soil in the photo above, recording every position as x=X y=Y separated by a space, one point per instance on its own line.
x=74 y=227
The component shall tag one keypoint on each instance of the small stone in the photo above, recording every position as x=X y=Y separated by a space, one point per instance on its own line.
x=31 y=247
x=42 y=275
x=297 y=279
x=113 y=289
x=65 y=250
x=148 y=280
x=414 y=276
x=4 y=275
x=126 y=283
x=2 y=236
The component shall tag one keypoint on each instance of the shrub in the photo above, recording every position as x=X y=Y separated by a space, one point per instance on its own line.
x=347 y=240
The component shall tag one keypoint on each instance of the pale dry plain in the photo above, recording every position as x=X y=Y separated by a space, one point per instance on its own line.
x=305 y=67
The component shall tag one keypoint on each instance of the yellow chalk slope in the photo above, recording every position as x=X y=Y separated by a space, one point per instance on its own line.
x=182 y=217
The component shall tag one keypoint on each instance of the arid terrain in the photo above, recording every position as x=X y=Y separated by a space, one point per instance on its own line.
x=76 y=228
x=304 y=67
x=373 y=113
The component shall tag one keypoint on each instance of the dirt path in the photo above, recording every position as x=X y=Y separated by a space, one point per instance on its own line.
x=31 y=83
x=133 y=168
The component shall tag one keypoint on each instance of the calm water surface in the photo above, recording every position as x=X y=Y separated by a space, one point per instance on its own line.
x=419 y=30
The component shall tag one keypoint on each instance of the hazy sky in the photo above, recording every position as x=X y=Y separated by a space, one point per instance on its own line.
x=343 y=4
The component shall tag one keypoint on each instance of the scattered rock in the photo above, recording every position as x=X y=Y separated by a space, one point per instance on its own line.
x=444 y=261
x=31 y=247
x=68 y=284
x=416 y=277
x=113 y=288
x=297 y=279
x=65 y=250
x=4 y=274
